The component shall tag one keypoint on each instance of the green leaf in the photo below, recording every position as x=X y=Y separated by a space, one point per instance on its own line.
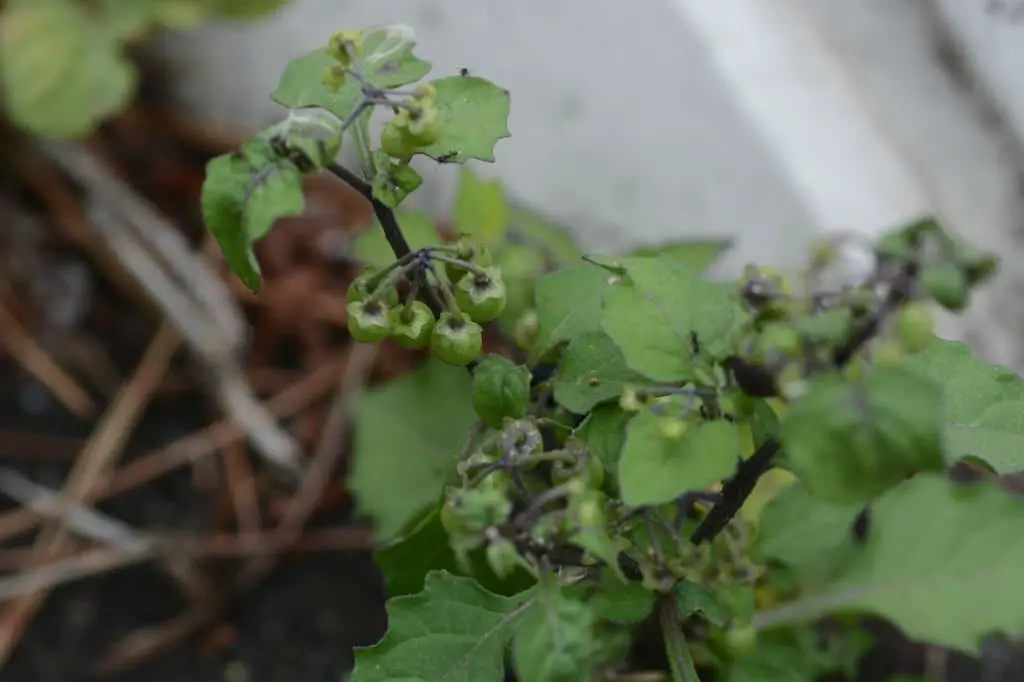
x=555 y=241
x=62 y=73
x=592 y=371
x=419 y=228
x=555 y=641
x=480 y=208
x=475 y=115
x=501 y=388
x=568 y=304
x=796 y=528
x=694 y=598
x=228 y=178
x=453 y=630
x=275 y=192
x=848 y=441
x=653 y=311
x=696 y=254
x=655 y=470
x=406 y=562
x=799 y=655
x=623 y=603
x=940 y=560
x=244 y=9
x=983 y=405
x=407 y=436
x=302 y=83
x=603 y=433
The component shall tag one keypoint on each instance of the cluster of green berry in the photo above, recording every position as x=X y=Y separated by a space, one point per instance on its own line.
x=789 y=335
x=471 y=293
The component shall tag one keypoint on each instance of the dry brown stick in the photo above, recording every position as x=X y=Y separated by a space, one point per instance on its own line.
x=147 y=643
x=16 y=340
x=241 y=485
x=99 y=454
x=70 y=218
x=72 y=565
x=217 y=545
x=303 y=393
x=187 y=289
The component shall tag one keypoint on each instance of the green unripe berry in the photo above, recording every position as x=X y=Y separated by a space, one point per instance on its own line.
x=948 y=285
x=456 y=342
x=368 y=322
x=914 y=326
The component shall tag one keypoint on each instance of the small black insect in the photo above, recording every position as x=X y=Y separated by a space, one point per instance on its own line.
x=463 y=72
x=446 y=157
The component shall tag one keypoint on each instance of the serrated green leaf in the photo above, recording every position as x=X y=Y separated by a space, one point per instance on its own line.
x=480 y=208
x=302 y=84
x=654 y=470
x=61 y=72
x=556 y=640
x=453 y=630
x=419 y=228
x=940 y=561
x=796 y=528
x=228 y=178
x=501 y=388
x=654 y=310
x=568 y=304
x=603 y=433
x=475 y=115
x=592 y=371
x=983 y=405
x=849 y=441
x=408 y=435
x=274 y=192
x=696 y=254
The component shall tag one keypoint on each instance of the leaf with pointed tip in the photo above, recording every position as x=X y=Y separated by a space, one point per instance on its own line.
x=475 y=115
x=453 y=630
x=941 y=561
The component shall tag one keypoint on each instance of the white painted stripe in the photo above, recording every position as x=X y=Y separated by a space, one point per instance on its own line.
x=797 y=94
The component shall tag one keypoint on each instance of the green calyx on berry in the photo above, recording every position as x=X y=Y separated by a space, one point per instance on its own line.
x=395 y=142
x=369 y=321
x=344 y=45
x=425 y=125
x=481 y=295
x=456 y=341
x=469 y=252
x=363 y=287
x=412 y=324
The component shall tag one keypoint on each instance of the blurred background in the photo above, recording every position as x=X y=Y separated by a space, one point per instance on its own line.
x=147 y=386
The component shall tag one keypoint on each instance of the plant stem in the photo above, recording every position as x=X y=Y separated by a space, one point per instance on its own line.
x=680 y=662
x=385 y=216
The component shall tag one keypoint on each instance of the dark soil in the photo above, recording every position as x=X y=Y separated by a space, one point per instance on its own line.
x=299 y=625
